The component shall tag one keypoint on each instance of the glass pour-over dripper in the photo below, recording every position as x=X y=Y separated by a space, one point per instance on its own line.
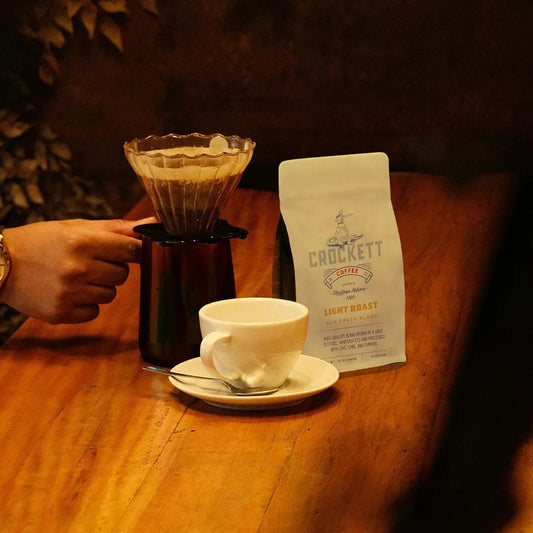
x=189 y=178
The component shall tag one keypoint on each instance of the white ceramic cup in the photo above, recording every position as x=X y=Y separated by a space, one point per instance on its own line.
x=253 y=343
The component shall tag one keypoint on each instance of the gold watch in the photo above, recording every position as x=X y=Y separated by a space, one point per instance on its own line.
x=5 y=261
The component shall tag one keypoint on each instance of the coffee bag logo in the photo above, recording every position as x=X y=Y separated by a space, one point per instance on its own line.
x=342 y=235
x=348 y=258
x=335 y=275
x=349 y=273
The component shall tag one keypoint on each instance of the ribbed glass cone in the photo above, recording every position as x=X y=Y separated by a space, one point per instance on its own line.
x=189 y=178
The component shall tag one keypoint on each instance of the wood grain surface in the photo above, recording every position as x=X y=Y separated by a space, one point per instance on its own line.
x=90 y=442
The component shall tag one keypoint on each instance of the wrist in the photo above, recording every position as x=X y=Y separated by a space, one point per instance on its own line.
x=5 y=261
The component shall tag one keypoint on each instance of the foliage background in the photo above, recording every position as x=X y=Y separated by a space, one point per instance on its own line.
x=38 y=180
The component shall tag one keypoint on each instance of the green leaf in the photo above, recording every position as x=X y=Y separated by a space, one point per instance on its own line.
x=150 y=5
x=8 y=163
x=113 y=6
x=34 y=193
x=27 y=169
x=40 y=154
x=73 y=6
x=111 y=30
x=13 y=129
x=24 y=29
x=18 y=196
x=53 y=165
x=46 y=73
x=61 y=150
x=51 y=34
x=47 y=132
x=49 y=58
x=61 y=17
x=89 y=14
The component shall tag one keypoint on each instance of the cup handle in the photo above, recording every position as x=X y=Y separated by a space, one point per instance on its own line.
x=206 y=352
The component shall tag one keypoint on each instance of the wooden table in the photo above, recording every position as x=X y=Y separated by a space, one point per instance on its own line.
x=90 y=442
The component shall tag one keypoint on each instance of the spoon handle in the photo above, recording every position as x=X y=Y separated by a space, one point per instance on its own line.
x=179 y=374
x=229 y=386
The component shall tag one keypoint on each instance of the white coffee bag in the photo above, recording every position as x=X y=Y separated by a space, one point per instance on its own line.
x=347 y=258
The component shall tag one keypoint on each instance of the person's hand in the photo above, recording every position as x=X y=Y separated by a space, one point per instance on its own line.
x=62 y=270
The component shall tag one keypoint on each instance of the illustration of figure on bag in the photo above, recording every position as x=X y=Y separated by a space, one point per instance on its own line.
x=342 y=234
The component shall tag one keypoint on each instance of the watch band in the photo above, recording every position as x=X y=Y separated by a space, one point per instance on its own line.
x=5 y=261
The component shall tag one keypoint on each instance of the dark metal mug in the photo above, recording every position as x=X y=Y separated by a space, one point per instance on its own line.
x=179 y=275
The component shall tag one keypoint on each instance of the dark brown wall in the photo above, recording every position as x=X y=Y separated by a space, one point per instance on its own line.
x=438 y=85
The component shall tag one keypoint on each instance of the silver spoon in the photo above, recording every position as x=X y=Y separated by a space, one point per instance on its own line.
x=229 y=386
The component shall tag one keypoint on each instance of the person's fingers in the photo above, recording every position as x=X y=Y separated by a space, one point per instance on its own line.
x=94 y=294
x=115 y=248
x=63 y=270
x=82 y=313
x=120 y=249
x=121 y=226
x=74 y=315
x=107 y=273
x=108 y=240
x=125 y=227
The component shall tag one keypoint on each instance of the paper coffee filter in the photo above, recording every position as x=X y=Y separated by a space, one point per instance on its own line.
x=189 y=178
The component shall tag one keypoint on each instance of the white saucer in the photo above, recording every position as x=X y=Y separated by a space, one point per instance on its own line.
x=309 y=376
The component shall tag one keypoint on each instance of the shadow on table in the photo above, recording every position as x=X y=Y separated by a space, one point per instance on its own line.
x=469 y=486
x=306 y=406
x=72 y=345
